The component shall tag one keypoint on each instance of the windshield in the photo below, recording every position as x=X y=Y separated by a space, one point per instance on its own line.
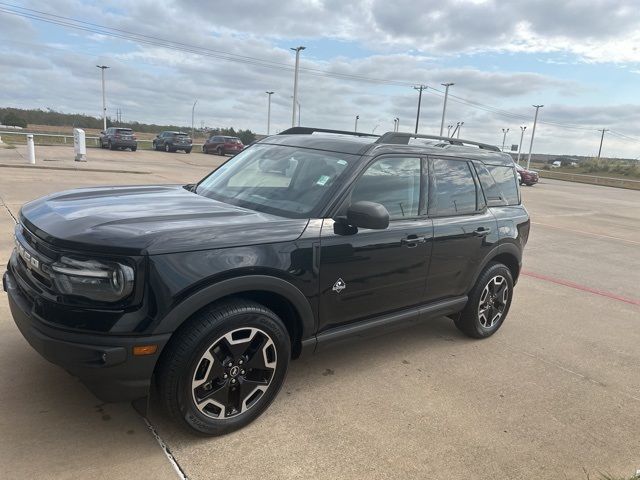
x=287 y=181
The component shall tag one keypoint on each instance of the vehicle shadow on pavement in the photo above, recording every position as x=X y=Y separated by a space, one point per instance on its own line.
x=52 y=409
x=314 y=377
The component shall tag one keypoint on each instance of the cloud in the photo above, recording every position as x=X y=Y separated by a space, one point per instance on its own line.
x=410 y=44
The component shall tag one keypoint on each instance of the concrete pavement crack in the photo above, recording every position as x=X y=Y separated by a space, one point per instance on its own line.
x=8 y=210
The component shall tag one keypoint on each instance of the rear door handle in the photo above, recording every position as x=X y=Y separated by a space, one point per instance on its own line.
x=413 y=240
x=482 y=231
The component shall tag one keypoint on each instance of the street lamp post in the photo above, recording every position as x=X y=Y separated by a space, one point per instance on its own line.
x=104 y=98
x=459 y=128
x=522 y=129
x=396 y=122
x=444 y=106
x=269 y=113
x=295 y=85
x=533 y=132
x=449 y=127
x=504 y=136
x=193 y=112
x=355 y=128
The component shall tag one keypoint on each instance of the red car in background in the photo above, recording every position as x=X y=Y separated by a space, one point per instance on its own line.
x=221 y=145
x=526 y=177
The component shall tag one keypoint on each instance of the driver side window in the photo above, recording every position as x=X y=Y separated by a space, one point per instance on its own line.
x=393 y=182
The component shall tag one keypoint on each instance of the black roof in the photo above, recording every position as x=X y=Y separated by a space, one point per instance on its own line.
x=391 y=142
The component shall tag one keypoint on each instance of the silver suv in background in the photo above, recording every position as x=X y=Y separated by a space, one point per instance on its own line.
x=116 y=138
x=173 y=141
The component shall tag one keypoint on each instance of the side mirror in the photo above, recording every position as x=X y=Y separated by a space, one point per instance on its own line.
x=368 y=215
x=102 y=132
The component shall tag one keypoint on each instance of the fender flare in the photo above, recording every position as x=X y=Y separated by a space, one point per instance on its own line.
x=508 y=248
x=203 y=297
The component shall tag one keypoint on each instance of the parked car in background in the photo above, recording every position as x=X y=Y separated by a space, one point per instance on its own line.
x=526 y=177
x=116 y=137
x=222 y=145
x=173 y=141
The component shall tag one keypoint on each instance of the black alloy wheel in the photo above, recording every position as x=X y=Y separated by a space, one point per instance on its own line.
x=488 y=303
x=224 y=367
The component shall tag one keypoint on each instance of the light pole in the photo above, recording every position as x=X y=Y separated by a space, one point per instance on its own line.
x=504 y=136
x=355 y=127
x=419 y=88
x=374 y=128
x=193 y=112
x=601 y=140
x=269 y=113
x=295 y=85
x=298 y=112
x=522 y=129
x=444 y=106
x=449 y=127
x=396 y=124
x=459 y=128
x=104 y=98
x=533 y=132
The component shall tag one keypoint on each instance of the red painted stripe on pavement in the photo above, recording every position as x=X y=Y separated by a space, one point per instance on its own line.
x=584 y=288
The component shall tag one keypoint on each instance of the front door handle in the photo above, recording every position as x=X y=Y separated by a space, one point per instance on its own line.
x=413 y=240
x=482 y=231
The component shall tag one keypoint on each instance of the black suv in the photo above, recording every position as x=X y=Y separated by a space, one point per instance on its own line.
x=172 y=142
x=115 y=138
x=301 y=240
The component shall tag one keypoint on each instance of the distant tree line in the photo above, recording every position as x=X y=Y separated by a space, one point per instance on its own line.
x=20 y=118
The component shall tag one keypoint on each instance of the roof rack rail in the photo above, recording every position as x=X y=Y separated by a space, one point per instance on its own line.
x=402 y=138
x=310 y=130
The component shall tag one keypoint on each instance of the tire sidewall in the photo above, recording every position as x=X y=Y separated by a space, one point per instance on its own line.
x=248 y=317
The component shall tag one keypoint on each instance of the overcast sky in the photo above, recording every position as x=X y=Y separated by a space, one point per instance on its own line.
x=580 y=58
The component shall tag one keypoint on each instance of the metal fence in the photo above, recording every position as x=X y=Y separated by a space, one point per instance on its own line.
x=58 y=139
x=592 y=179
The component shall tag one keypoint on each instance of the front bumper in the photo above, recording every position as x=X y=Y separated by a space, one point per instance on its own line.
x=104 y=363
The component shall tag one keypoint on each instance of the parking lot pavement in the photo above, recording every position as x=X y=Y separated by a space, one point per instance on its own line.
x=554 y=394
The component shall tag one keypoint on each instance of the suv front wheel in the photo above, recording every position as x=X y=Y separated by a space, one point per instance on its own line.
x=488 y=304
x=224 y=367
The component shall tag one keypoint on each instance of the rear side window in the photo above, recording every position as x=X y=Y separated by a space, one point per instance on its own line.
x=456 y=192
x=393 y=182
x=505 y=185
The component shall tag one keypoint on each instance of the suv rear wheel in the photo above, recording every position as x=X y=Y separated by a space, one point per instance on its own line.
x=488 y=304
x=167 y=148
x=225 y=367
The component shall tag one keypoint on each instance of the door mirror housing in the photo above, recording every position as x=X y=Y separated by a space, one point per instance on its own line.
x=368 y=215
x=102 y=132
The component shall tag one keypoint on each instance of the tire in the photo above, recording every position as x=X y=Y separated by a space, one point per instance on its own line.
x=204 y=149
x=200 y=358
x=220 y=151
x=111 y=146
x=101 y=144
x=167 y=148
x=133 y=149
x=475 y=320
x=188 y=150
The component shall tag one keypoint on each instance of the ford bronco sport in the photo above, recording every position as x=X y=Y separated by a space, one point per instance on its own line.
x=299 y=241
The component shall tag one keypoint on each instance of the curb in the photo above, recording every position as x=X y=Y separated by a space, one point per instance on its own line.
x=102 y=170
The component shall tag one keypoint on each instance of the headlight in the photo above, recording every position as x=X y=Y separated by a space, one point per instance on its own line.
x=99 y=280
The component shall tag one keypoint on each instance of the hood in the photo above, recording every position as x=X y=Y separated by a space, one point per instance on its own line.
x=150 y=220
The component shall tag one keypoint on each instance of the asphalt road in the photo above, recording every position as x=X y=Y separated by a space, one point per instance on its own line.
x=554 y=394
